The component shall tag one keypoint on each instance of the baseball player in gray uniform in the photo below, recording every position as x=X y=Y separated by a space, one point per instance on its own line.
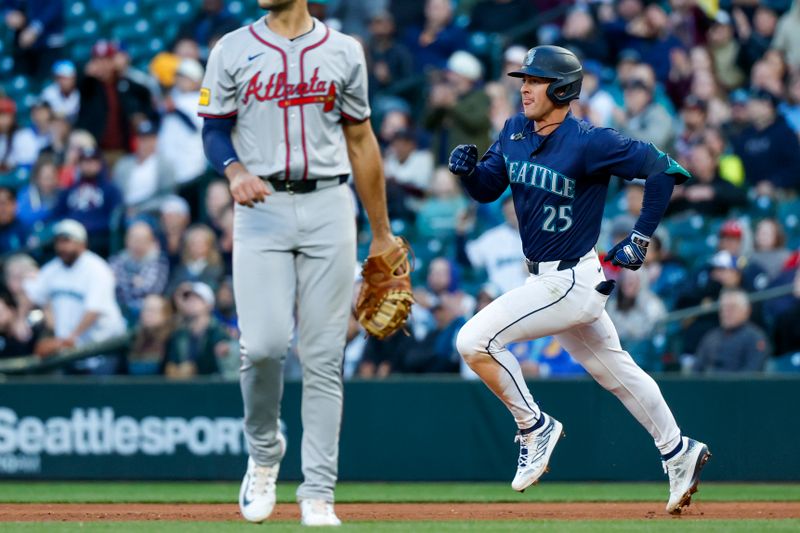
x=286 y=115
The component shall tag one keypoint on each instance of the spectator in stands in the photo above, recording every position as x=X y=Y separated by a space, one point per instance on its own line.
x=787 y=35
x=175 y=218
x=581 y=35
x=37 y=200
x=458 y=107
x=498 y=251
x=513 y=57
x=145 y=175
x=199 y=340
x=396 y=117
x=13 y=340
x=791 y=108
x=140 y=269
x=755 y=36
x=596 y=104
x=78 y=288
x=408 y=170
x=787 y=334
x=444 y=279
x=724 y=49
x=39 y=129
x=78 y=142
x=13 y=232
x=17 y=270
x=389 y=60
x=148 y=94
x=148 y=351
x=650 y=34
x=769 y=149
x=708 y=194
x=770 y=247
x=62 y=95
x=694 y=114
x=439 y=213
x=217 y=200
x=666 y=274
x=92 y=200
x=17 y=146
x=200 y=260
x=180 y=141
x=108 y=108
x=60 y=131
x=354 y=15
x=642 y=118
x=436 y=352
x=769 y=76
x=636 y=312
x=39 y=34
x=732 y=241
x=211 y=21
x=432 y=44
x=737 y=345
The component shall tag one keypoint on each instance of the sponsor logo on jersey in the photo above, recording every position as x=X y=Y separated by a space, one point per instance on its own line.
x=541 y=177
x=205 y=96
x=314 y=91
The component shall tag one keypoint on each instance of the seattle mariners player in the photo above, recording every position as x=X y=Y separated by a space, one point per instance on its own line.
x=559 y=169
x=285 y=104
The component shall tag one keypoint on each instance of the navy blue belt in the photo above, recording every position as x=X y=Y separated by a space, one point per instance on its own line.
x=533 y=266
x=302 y=186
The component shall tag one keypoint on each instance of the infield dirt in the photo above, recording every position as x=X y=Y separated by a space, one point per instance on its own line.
x=404 y=511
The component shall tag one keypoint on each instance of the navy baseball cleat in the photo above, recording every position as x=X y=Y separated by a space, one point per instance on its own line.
x=684 y=473
x=535 y=449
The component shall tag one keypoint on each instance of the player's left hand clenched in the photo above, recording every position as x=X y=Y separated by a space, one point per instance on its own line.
x=629 y=252
x=248 y=189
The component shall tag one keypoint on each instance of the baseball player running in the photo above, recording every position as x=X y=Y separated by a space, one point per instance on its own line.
x=285 y=104
x=559 y=168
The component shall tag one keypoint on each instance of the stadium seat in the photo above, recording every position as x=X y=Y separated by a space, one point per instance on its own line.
x=784 y=364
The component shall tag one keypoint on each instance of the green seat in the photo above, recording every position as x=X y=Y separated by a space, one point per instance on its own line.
x=789 y=214
x=137 y=30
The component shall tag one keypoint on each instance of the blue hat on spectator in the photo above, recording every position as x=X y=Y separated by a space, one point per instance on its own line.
x=739 y=97
x=629 y=54
x=64 y=68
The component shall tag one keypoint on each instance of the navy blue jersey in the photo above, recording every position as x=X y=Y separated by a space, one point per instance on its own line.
x=559 y=181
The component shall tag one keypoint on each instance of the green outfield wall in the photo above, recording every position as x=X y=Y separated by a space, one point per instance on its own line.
x=420 y=429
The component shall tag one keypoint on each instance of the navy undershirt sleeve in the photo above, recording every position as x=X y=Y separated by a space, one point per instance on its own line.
x=489 y=180
x=657 y=192
x=217 y=142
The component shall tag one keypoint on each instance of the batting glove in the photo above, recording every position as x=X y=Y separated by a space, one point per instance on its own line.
x=629 y=252
x=463 y=159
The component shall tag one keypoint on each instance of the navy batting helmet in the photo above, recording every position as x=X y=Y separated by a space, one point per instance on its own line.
x=557 y=64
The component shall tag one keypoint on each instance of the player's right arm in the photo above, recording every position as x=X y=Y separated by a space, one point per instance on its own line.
x=218 y=109
x=484 y=181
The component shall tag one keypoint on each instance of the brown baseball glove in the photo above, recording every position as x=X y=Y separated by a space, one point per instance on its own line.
x=385 y=299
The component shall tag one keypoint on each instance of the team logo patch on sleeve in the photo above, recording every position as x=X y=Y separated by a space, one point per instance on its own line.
x=205 y=96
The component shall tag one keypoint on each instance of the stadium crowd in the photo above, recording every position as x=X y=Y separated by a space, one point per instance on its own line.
x=111 y=220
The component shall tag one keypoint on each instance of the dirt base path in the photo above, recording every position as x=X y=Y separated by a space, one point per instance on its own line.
x=404 y=511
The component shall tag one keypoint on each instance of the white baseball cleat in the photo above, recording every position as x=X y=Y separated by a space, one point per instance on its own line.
x=257 y=493
x=318 y=513
x=535 y=449
x=684 y=473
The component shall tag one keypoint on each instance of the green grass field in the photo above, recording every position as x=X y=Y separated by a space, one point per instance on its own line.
x=199 y=492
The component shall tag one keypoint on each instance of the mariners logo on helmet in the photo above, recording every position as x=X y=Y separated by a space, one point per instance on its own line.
x=529 y=57
x=557 y=64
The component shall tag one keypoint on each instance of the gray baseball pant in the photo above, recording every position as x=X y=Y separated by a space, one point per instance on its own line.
x=294 y=256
